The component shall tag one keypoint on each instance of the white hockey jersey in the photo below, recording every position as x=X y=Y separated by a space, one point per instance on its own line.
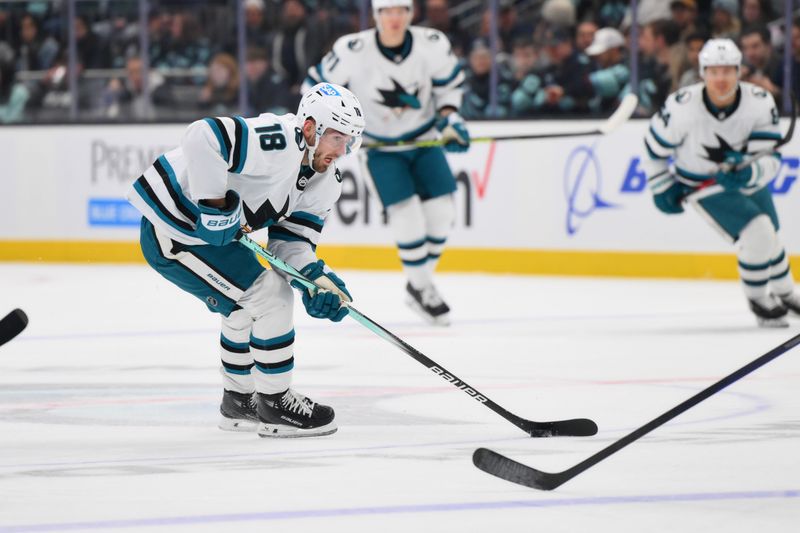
x=261 y=159
x=695 y=134
x=400 y=92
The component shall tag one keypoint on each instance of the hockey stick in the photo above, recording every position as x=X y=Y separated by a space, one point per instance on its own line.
x=579 y=427
x=12 y=325
x=505 y=468
x=620 y=115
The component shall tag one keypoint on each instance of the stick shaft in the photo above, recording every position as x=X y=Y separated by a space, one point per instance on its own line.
x=682 y=407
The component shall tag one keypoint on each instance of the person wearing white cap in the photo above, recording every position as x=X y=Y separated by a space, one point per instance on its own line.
x=609 y=82
x=712 y=131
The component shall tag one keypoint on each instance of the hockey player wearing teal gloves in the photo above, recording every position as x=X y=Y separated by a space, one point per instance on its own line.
x=275 y=172
x=708 y=129
x=409 y=81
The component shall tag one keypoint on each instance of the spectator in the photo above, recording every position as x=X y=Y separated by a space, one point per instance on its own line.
x=613 y=13
x=609 y=81
x=477 y=87
x=558 y=87
x=795 y=80
x=524 y=57
x=509 y=27
x=584 y=35
x=257 y=32
x=759 y=64
x=757 y=12
x=13 y=95
x=295 y=46
x=684 y=15
x=220 y=95
x=694 y=43
x=125 y=99
x=651 y=10
x=179 y=43
x=436 y=11
x=35 y=52
x=661 y=59
x=267 y=91
x=724 y=22
x=92 y=52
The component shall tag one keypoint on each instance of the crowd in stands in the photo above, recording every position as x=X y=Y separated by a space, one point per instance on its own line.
x=554 y=57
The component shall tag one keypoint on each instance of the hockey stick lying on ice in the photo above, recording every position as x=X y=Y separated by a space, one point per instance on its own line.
x=505 y=468
x=12 y=325
x=626 y=108
x=580 y=427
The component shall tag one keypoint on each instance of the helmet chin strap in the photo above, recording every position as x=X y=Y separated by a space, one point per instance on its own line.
x=313 y=148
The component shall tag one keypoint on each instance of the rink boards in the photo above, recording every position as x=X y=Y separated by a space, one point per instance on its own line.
x=575 y=205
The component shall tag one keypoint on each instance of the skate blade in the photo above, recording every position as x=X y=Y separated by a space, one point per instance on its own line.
x=280 y=431
x=772 y=322
x=441 y=320
x=237 y=424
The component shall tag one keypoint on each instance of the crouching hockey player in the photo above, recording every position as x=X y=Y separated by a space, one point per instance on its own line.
x=275 y=172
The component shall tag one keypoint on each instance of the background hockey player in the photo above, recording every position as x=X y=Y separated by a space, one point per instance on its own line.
x=273 y=172
x=709 y=128
x=408 y=79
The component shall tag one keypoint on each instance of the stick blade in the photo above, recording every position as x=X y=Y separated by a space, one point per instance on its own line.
x=576 y=427
x=12 y=325
x=501 y=466
x=626 y=108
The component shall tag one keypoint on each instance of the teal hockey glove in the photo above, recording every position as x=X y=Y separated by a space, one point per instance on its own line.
x=326 y=302
x=729 y=177
x=454 y=133
x=219 y=226
x=669 y=200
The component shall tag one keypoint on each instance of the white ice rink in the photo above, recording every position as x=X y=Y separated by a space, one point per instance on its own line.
x=109 y=404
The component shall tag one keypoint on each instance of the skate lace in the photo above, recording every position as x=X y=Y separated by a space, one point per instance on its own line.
x=430 y=297
x=297 y=403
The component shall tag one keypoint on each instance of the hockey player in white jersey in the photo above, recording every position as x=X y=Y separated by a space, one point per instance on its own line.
x=708 y=129
x=409 y=82
x=274 y=172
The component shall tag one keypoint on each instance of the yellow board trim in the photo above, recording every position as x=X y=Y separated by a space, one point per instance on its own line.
x=510 y=261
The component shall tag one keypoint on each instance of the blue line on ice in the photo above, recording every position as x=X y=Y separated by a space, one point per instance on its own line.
x=402 y=509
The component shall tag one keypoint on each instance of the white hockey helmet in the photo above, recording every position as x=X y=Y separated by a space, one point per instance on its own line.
x=377 y=5
x=719 y=52
x=332 y=106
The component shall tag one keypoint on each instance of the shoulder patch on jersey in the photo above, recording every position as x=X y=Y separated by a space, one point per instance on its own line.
x=299 y=139
x=759 y=92
x=682 y=97
x=338 y=174
x=355 y=44
x=433 y=35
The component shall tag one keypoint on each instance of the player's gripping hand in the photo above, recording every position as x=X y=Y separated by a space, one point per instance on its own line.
x=454 y=133
x=729 y=177
x=219 y=226
x=669 y=200
x=325 y=302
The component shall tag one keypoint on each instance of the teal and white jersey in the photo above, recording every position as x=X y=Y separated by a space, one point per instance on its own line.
x=402 y=89
x=261 y=159
x=696 y=135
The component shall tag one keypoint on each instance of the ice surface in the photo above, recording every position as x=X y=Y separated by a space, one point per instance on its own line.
x=109 y=404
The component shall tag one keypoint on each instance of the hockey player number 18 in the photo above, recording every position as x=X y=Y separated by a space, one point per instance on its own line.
x=271 y=138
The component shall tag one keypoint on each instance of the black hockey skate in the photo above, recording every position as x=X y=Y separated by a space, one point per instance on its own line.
x=429 y=304
x=769 y=313
x=791 y=302
x=238 y=411
x=289 y=414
